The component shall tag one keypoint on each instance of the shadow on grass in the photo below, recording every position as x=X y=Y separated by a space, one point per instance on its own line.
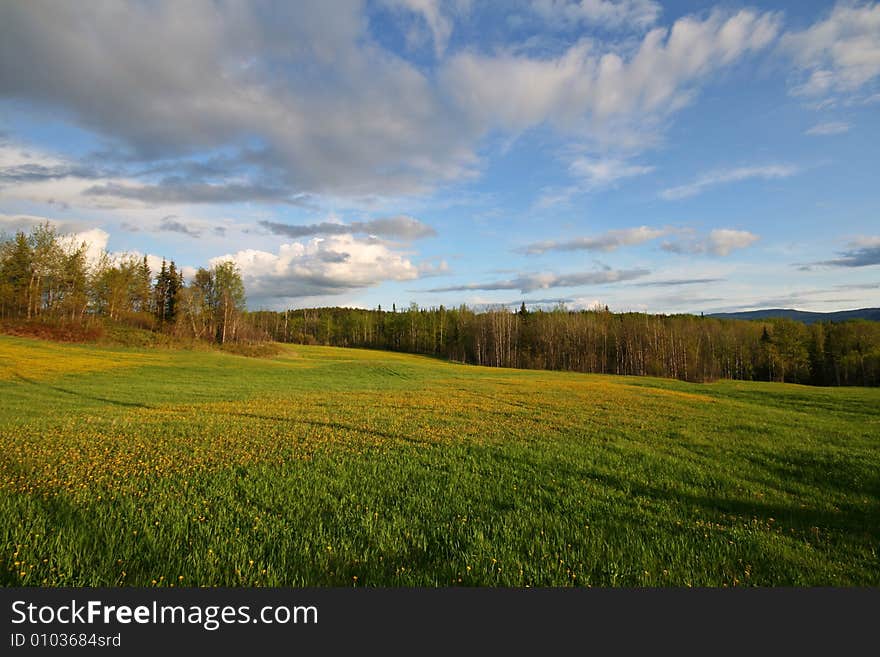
x=83 y=533
x=80 y=394
x=848 y=519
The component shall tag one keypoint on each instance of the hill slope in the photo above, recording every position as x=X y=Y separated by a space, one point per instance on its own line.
x=344 y=467
x=802 y=315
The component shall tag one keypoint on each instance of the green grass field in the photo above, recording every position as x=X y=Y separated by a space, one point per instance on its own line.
x=347 y=467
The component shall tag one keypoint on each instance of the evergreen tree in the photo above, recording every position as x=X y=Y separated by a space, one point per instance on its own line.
x=160 y=293
x=15 y=268
x=172 y=288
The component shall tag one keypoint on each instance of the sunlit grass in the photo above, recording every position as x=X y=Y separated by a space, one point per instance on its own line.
x=352 y=467
x=37 y=360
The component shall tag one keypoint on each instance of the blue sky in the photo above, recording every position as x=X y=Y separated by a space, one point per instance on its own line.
x=661 y=157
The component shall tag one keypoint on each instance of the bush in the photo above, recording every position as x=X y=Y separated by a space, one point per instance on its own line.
x=253 y=350
x=59 y=330
x=139 y=320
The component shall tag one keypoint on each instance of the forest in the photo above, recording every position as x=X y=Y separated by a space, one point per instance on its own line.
x=686 y=347
x=45 y=277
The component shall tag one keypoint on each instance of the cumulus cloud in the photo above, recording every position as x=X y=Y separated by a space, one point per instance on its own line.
x=726 y=176
x=95 y=239
x=826 y=129
x=608 y=241
x=399 y=227
x=607 y=14
x=543 y=281
x=839 y=54
x=320 y=267
x=71 y=234
x=719 y=242
x=298 y=92
x=72 y=237
x=300 y=99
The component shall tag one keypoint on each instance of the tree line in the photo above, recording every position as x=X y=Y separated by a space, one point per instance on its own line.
x=684 y=347
x=47 y=277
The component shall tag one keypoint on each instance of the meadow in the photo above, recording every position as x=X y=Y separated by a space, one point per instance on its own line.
x=340 y=467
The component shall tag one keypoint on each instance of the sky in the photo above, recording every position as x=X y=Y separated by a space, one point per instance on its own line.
x=649 y=156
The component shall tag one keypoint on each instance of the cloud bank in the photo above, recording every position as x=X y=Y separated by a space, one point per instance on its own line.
x=608 y=241
x=719 y=242
x=401 y=227
x=526 y=283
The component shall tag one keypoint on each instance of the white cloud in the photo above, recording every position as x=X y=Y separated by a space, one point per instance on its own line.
x=609 y=14
x=719 y=242
x=431 y=12
x=724 y=240
x=603 y=100
x=39 y=176
x=320 y=267
x=589 y=92
x=597 y=173
x=591 y=174
x=819 y=83
x=12 y=223
x=96 y=240
x=428 y=268
x=306 y=101
x=866 y=241
x=36 y=176
x=586 y=303
x=14 y=157
x=71 y=236
x=839 y=54
x=552 y=196
x=826 y=129
x=725 y=176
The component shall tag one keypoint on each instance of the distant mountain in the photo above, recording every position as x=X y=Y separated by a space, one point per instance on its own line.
x=803 y=316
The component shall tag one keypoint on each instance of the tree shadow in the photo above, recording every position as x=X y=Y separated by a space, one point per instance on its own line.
x=849 y=519
x=82 y=395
